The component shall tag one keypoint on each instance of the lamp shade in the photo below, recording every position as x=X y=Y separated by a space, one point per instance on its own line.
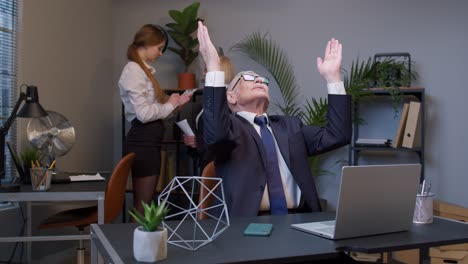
x=31 y=107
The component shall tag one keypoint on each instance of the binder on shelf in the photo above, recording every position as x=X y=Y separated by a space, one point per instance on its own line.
x=411 y=138
x=398 y=140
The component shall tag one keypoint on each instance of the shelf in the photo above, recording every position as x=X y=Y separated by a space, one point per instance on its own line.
x=414 y=90
x=378 y=148
x=356 y=150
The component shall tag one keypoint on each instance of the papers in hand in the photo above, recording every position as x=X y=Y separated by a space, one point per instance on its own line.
x=96 y=177
x=185 y=127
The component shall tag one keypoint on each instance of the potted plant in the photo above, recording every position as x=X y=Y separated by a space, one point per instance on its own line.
x=150 y=239
x=182 y=32
x=388 y=74
x=29 y=156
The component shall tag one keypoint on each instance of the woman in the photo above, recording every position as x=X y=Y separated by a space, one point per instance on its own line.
x=146 y=105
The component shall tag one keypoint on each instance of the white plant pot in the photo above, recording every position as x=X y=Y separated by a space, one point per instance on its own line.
x=149 y=246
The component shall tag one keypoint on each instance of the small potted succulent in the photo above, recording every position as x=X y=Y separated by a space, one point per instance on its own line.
x=150 y=239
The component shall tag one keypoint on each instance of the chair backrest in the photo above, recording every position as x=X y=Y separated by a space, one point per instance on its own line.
x=208 y=171
x=115 y=190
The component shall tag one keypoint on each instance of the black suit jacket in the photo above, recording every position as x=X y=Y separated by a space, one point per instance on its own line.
x=239 y=153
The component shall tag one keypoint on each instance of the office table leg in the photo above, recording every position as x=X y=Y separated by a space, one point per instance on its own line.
x=94 y=252
x=101 y=210
x=28 y=232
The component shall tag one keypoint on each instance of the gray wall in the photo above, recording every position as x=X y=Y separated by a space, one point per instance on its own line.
x=65 y=48
x=431 y=31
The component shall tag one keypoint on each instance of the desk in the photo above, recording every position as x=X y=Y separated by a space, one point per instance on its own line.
x=76 y=191
x=285 y=244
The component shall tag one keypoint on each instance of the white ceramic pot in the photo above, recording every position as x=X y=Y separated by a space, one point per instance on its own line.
x=149 y=246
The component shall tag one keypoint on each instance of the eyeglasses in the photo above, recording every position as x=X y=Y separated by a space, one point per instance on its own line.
x=251 y=78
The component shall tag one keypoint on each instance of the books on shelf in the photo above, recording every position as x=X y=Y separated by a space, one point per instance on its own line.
x=411 y=136
x=398 y=140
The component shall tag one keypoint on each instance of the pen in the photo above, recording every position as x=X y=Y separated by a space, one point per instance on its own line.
x=43 y=177
x=423 y=186
x=52 y=165
x=428 y=189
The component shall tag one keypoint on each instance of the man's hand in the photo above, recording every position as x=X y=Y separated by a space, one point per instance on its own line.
x=207 y=49
x=190 y=141
x=329 y=67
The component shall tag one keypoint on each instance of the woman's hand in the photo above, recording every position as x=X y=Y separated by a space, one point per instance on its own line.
x=184 y=98
x=207 y=49
x=329 y=67
x=178 y=100
x=190 y=141
x=174 y=99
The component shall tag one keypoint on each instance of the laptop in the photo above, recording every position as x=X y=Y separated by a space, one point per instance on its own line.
x=373 y=199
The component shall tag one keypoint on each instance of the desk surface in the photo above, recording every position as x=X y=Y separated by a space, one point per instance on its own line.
x=76 y=191
x=284 y=244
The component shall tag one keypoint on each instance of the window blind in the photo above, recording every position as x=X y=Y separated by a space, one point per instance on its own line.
x=8 y=90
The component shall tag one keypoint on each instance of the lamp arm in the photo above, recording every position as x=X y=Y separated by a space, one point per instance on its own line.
x=6 y=126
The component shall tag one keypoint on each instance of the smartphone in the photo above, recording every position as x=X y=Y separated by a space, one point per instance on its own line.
x=258 y=229
x=189 y=92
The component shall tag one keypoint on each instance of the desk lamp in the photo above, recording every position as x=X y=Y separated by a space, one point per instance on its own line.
x=31 y=109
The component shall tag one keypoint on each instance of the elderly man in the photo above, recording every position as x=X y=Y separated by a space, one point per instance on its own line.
x=263 y=159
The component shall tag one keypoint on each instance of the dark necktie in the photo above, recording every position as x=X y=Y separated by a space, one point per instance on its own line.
x=275 y=185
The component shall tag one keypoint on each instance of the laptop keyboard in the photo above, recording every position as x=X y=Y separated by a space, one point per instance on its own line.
x=328 y=223
x=326 y=230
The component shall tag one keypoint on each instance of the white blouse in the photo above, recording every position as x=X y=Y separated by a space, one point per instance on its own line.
x=137 y=94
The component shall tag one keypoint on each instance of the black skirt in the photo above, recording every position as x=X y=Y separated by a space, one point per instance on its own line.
x=144 y=139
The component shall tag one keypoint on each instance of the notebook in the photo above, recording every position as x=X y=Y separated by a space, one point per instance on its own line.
x=373 y=199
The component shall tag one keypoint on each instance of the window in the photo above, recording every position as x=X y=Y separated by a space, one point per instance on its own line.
x=8 y=91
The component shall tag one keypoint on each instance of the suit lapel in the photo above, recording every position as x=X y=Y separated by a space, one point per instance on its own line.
x=282 y=139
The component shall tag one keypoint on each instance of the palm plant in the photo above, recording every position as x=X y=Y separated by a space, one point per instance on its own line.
x=356 y=82
x=315 y=114
x=267 y=52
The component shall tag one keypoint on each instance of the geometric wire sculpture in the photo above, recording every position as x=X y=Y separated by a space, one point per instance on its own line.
x=181 y=195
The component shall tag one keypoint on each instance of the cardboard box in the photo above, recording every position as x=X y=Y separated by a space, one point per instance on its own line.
x=454 y=212
x=448 y=256
x=451 y=211
x=407 y=256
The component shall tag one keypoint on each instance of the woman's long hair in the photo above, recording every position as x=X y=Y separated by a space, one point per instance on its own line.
x=148 y=35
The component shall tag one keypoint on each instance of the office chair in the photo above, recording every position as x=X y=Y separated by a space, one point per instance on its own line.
x=83 y=217
x=209 y=172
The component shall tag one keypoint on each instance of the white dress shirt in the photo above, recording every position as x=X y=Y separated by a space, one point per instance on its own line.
x=137 y=94
x=291 y=190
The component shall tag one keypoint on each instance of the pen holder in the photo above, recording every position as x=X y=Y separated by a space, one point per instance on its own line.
x=423 y=212
x=40 y=179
